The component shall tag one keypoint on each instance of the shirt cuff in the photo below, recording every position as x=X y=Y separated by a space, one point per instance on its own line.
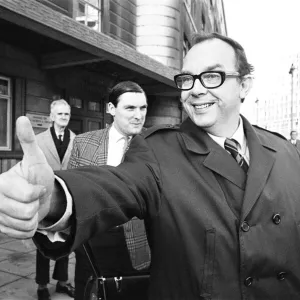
x=57 y=232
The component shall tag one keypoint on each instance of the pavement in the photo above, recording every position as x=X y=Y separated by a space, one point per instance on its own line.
x=17 y=271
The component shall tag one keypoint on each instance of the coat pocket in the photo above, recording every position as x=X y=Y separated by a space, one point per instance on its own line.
x=208 y=272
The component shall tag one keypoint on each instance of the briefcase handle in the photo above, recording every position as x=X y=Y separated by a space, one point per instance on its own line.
x=100 y=280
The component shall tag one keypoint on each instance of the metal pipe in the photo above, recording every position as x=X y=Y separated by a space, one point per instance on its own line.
x=292 y=69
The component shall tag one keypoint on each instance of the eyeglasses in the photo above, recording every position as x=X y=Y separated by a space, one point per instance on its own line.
x=209 y=79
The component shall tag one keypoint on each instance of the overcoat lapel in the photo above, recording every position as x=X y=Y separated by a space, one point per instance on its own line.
x=49 y=143
x=214 y=157
x=262 y=158
x=208 y=158
x=224 y=164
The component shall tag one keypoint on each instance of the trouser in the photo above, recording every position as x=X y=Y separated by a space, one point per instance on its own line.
x=60 y=272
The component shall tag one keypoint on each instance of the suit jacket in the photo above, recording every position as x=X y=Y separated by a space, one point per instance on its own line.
x=111 y=249
x=46 y=143
x=297 y=145
x=200 y=248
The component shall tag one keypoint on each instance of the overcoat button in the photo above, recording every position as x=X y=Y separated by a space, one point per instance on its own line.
x=276 y=219
x=248 y=281
x=281 y=275
x=245 y=226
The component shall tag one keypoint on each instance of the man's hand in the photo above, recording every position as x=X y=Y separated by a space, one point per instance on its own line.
x=25 y=190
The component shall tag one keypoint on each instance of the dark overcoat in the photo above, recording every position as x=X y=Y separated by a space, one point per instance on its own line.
x=214 y=232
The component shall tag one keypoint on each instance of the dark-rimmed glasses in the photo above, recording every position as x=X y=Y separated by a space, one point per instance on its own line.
x=209 y=79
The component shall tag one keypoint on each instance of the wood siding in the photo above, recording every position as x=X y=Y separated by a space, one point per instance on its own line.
x=63 y=6
x=122 y=21
x=7 y=163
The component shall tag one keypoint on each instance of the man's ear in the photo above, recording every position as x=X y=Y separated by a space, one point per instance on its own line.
x=111 y=109
x=51 y=117
x=246 y=86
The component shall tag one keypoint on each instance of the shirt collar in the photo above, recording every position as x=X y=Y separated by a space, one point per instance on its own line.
x=239 y=136
x=115 y=135
x=59 y=133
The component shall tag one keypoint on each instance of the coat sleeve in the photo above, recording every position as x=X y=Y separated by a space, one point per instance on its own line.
x=106 y=196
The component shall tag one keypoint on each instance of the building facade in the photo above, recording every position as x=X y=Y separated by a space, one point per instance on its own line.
x=278 y=109
x=78 y=49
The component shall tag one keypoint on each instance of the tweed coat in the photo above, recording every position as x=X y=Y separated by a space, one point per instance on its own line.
x=91 y=148
x=46 y=143
x=200 y=248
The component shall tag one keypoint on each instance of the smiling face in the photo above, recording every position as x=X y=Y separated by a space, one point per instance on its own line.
x=130 y=113
x=215 y=110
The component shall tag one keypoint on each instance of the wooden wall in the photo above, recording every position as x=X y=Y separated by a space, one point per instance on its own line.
x=34 y=90
x=62 y=6
x=7 y=163
x=122 y=21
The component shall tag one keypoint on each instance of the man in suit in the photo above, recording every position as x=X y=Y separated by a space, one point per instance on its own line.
x=294 y=140
x=114 y=249
x=56 y=143
x=222 y=197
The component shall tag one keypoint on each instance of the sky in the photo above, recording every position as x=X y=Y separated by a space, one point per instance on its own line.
x=268 y=30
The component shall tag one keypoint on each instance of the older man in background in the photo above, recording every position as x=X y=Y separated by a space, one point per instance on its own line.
x=56 y=143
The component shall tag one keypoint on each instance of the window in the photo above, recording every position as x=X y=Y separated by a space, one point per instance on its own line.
x=75 y=102
x=5 y=113
x=89 y=13
x=94 y=106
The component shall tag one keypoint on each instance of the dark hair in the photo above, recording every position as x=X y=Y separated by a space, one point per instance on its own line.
x=242 y=65
x=122 y=88
x=293 y=131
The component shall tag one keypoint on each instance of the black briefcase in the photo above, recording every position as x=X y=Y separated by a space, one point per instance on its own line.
x=99 y=287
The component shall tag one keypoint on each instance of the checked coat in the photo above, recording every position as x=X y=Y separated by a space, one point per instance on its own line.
x=123 y=249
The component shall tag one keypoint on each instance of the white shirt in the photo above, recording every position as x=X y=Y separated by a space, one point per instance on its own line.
x=240 y=137
x=117 y=144
x=58 y=134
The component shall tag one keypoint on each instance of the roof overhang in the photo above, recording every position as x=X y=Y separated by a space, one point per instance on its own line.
x=87 y=45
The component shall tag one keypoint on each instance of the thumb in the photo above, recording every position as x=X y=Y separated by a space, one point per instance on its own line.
x=32 y=152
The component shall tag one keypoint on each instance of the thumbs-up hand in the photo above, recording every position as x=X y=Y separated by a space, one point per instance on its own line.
x=25 y=189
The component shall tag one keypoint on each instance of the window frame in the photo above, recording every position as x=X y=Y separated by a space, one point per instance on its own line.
x=8 y=97
x=86 y=3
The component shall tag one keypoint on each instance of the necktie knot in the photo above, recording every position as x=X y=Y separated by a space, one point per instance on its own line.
x=231 y=146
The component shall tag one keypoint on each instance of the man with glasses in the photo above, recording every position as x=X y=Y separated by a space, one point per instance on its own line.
x=221 y=197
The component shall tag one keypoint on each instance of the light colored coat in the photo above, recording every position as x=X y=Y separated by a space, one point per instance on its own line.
x=46 y=143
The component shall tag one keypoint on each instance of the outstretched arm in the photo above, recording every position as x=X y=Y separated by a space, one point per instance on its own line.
x=107 y=196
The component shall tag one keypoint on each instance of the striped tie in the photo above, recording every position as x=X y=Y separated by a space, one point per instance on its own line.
x=231 y=146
